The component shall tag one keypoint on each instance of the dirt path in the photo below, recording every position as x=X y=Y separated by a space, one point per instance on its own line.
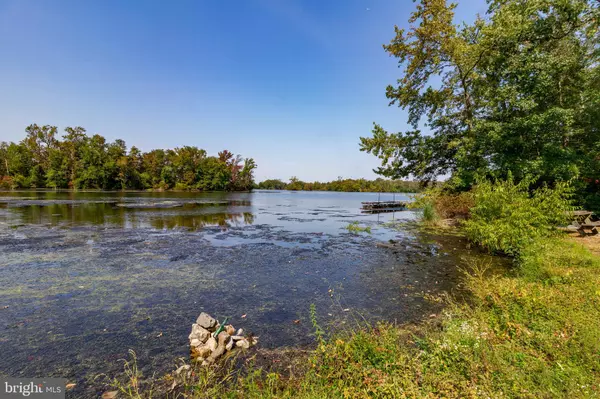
x=590 y=242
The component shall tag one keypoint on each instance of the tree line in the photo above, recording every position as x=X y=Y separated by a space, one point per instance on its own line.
x=79 y=161
x=346 y=185
x=516 y=92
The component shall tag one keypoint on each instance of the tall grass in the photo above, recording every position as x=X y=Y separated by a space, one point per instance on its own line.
x=429 y=215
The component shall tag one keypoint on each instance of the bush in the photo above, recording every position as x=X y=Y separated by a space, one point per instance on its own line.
x=181 y=187
x=443 y=204
x=429 y=213
x=507 y=217
x=454 y=205
x=6 y=183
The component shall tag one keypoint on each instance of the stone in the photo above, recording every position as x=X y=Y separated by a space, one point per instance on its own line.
x=216 y=354
x=230 y=330
x=200 y=353
x=237 y=337
x=240 y=332
x=211 y=343
x=229 y=345
x=223 y=338
x=206 y=321
x=204 y=351
x=243 y=344
x=195 y=342
x=198 y=332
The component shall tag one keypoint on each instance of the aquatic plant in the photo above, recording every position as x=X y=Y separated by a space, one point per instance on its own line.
x=355 y=228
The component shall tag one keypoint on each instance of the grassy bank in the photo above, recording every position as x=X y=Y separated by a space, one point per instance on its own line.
x=533 y=332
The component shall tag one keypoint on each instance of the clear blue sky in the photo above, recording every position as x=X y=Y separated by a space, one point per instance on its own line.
x=291 y=83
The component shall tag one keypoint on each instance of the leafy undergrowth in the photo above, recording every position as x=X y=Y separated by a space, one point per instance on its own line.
x=532 y=333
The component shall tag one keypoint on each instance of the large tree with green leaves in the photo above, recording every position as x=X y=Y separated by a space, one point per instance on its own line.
x=79 y=161
x=515 y=91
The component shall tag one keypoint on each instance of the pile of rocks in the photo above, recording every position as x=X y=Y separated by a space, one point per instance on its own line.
x=209 y=340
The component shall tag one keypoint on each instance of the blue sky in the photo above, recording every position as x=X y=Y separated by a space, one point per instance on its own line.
x=291 y=83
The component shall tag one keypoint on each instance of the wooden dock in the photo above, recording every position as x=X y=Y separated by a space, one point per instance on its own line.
x=383 y=206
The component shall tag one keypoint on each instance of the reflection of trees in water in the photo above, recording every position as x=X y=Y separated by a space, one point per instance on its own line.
x=248 y=217
x=108 y=213
x=201 y=220
x=222 y=203
x=95 y=213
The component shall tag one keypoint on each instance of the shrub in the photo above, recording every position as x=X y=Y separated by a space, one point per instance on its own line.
x=6 y=183
x=429 y=214
x=443 y=204
x=507 y=217
x=20 y=181
x=181 y=186
x=454 y=205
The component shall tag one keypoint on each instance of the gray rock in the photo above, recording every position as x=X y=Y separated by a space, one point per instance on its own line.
x=206 y=321
x=229 y=345
x=223 y=338
x=198 y=332
x=216 y=354
x=237 y=337
x=212 y=344
x=240 y=332
x=243 y=344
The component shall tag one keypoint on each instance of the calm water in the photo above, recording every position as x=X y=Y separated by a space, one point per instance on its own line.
x=297 y=212
x=86 y=276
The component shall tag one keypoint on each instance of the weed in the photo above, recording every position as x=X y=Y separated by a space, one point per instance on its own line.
x=317 y=328
x=355 y=228
x=429 y=214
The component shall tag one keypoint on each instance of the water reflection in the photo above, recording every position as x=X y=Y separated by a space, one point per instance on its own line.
x=306 y=212
x=134 y=216
x=196 y=222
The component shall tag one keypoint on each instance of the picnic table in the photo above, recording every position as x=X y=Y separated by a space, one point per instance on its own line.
x=583 y=221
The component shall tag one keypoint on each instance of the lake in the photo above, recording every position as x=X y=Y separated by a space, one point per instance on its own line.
x=86 y=276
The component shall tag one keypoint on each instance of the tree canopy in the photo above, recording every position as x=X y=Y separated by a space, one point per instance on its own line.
x=345 y=185
x=43 y=160
x=516 y=91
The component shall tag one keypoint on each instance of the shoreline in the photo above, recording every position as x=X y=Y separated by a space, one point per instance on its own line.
x=408 y=348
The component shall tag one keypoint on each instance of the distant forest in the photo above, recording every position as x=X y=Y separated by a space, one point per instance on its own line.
x=346 y=185
x=42 y=160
